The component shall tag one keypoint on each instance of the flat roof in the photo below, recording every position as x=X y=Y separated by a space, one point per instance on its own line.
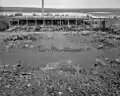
x=52 y=17
x=49 y=17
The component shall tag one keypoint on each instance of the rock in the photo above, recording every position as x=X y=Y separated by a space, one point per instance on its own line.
x=100 y=62
x=60 y=93
x=31 y=46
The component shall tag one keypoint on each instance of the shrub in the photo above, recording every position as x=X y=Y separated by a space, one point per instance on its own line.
x=18 y=14
x=3 y=25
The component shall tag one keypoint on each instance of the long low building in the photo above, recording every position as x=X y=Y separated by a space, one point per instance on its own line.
x=54 y=20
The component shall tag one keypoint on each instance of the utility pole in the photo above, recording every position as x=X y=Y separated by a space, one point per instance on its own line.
x=43 y=8
x=43 y=12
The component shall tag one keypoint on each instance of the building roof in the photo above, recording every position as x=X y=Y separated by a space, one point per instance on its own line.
x=49 y=17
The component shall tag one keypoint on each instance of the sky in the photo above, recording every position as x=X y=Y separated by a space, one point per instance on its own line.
x=63 y=3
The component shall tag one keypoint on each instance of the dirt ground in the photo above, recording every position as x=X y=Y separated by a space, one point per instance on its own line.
x=60 y=73
x=35 y=58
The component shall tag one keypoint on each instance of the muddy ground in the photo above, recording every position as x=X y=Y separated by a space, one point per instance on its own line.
x=32 y=56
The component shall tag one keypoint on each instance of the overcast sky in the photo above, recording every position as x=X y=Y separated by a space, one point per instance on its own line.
x=63 y=3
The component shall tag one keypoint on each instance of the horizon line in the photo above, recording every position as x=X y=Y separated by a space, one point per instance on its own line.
x=55 y=8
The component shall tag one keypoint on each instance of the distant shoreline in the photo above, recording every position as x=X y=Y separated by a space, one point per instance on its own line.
x=55 y=10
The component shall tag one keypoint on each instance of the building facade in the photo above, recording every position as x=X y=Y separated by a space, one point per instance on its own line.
x=55 y=21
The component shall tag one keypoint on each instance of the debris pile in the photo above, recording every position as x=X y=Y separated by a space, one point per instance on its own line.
x=55 y=79
x=19 y=41
x=38 y=28
x=20 y=37
x=22 y=29
x=43 y=48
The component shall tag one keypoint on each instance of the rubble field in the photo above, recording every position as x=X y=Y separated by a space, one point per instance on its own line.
x=59 y=64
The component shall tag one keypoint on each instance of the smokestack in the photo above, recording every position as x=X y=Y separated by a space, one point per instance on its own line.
x=42 y=7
